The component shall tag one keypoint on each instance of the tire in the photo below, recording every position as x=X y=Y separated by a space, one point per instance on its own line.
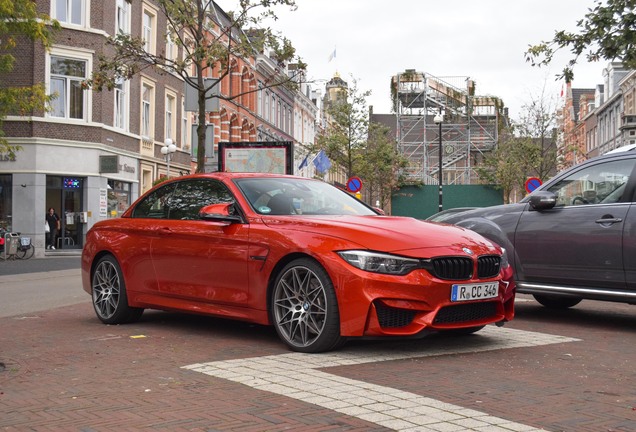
x=109 y=293
x=557 y=302
x=25 y=254
x=304 y=308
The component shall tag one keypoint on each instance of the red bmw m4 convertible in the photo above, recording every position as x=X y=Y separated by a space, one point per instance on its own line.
x=295 y=253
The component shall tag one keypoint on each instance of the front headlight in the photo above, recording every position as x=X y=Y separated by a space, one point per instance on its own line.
x=376 y=262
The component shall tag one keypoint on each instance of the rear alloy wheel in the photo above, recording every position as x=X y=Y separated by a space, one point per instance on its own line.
x=109 y=294
x=305 y=308
x=557 y=302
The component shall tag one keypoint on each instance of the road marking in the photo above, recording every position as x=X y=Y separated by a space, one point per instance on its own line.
x=296 y=375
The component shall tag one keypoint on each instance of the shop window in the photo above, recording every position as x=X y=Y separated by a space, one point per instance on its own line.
x=6 y=201
x=118 y=197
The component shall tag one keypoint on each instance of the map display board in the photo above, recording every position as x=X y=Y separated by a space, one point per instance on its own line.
x=275 y=157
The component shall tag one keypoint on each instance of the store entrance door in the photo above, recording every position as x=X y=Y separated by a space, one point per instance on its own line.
x=66 y=194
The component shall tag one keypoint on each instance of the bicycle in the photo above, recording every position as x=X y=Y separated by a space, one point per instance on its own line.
x=25 y=248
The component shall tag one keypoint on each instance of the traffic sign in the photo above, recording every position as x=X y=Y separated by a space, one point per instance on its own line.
x=354 y=184
x=532 y=183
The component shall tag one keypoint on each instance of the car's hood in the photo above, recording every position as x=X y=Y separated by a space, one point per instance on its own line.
x=387 y=233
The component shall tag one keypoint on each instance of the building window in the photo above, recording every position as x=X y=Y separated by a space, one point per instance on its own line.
x=170 y=118
x=171 y=48
x=185 y=144
x=266 y=116
x=148 y=26
x=272 y=118
x=122 y=24
x=69 y=11
x=66 y=76
x=147 y=110
x=122 y=102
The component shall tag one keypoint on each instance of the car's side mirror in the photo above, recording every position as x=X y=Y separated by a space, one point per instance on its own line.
x=220 y=213
x=542 y=200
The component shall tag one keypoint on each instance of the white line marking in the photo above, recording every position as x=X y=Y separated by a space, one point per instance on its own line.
x=295 y=375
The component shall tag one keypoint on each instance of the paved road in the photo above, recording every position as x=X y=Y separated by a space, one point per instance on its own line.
x=61 y=369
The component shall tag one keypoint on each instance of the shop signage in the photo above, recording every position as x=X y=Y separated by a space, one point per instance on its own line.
x=7 y=157
x=108 y=164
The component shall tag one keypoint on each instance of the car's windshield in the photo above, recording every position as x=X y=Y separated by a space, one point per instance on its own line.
x=294 y=196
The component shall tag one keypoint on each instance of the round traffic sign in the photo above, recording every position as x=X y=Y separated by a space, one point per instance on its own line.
x=532 y=183
x=354 y=184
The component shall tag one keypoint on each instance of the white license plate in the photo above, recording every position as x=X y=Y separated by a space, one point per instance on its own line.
x=468 y=292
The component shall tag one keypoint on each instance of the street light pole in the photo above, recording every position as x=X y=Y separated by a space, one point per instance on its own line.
x=167 y=150
x=439 y=119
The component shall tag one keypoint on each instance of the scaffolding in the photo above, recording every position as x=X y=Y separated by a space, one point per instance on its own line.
x=469 y=128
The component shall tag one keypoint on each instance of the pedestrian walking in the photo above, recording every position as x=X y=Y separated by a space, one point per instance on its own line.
x=53 y=220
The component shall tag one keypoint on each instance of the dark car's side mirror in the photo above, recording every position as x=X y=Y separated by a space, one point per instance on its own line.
x=220 y=213
x=542 y=200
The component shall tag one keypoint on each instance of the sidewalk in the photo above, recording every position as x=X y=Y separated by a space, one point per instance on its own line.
x=26 y=293
x=36 y=265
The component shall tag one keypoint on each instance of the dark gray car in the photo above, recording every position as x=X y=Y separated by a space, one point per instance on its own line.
x=574 y=237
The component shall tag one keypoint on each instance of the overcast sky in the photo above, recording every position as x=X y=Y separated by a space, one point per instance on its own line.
x=481 y=39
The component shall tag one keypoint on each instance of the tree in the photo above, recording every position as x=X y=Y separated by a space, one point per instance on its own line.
x=209 y=39
x=347 y=127
x=19 y=18
x=527 y=148
x=606 y=32
x=537 y=127
x=380 y=164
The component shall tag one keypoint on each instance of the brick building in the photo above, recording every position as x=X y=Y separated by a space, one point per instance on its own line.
x=94 y=153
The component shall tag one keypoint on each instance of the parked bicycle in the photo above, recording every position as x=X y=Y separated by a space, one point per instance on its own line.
x=24 y=249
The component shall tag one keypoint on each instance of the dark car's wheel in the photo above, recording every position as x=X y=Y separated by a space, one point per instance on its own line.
x=557 y=302
x=109 y=294
x=305 y=308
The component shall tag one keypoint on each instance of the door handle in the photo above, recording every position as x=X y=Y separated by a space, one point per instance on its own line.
x=163 y=230
x=608 y=221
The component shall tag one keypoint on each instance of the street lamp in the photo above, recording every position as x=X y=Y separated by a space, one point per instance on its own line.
x=167 y=150
x=438 y=120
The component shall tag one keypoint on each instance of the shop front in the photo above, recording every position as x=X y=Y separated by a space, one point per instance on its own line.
x=82 y=184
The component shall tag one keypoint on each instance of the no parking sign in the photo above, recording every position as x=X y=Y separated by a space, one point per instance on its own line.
x=354 y=184
x=532 y=183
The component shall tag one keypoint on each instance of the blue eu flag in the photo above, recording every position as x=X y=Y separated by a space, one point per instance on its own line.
x=322 y=162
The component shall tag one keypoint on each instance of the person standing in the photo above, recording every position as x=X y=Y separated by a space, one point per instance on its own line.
x=54 y=226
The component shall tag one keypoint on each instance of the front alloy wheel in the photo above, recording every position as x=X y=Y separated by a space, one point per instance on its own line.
x=305 y=309
x=109 y=294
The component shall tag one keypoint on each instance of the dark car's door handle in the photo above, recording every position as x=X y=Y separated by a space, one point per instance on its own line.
x=608 y=221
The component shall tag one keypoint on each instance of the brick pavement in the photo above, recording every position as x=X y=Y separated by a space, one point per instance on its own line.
x=66 y=371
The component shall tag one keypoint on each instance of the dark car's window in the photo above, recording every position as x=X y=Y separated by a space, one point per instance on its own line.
x=600 y=183
x=183 y=200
